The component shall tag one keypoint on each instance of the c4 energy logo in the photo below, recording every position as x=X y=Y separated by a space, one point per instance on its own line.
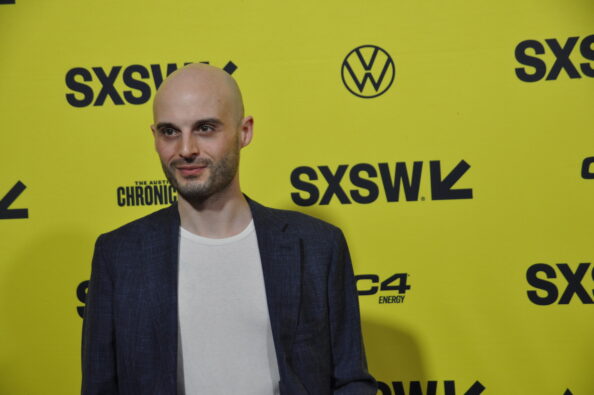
x=587 y=168
x=368 y=71
x=570 y=283
x=8 y=199
x=367 y=179
x=146 y=193
x=527 y=50
x=114 y=80
x=391 y=289
x=431 y=388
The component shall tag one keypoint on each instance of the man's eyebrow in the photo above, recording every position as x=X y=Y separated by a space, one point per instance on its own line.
x=162 y=125
x=214 y=121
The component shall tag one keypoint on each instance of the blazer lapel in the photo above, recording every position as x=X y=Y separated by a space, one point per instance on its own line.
x=280 y=253
x=160 y=268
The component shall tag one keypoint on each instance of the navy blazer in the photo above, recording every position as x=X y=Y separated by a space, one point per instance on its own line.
x=130 y=327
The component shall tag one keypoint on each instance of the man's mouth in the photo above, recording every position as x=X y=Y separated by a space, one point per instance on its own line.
x=191 y=170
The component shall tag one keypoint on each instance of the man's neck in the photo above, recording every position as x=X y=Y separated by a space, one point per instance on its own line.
x=219 y=216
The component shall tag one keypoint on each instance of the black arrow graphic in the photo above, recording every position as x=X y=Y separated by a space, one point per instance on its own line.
x=476 y=389
x=442 y=189
x=8 y=199
x=568 y=392
x=230 y=67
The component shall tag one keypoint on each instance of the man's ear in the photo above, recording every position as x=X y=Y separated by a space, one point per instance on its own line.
x=154 y=132
x=246 y=131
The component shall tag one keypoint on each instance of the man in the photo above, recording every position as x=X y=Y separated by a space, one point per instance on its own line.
x=218 y=294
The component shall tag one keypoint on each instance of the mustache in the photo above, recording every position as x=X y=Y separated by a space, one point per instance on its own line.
x=196 y=162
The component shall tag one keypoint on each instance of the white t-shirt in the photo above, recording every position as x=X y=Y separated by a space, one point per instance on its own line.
x=225 y=339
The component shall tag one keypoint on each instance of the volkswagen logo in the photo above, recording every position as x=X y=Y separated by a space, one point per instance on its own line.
x=368 y=71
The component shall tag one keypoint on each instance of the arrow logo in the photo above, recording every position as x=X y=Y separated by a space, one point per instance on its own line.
x=8 y=199
x=442 y=189
x=476 y=389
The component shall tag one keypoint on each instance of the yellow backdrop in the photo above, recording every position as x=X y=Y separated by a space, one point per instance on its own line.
x=449 y=140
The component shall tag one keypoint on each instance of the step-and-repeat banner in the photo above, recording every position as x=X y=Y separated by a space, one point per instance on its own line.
x=451 y=141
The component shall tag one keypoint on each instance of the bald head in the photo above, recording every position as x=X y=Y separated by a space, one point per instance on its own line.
x=199 y=129
x=197 y=84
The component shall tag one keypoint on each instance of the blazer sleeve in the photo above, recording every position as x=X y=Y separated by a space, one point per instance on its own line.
x=350 y=375
x=99 y=375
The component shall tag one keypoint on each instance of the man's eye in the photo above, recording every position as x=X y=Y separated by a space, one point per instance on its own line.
x=168 y=131
x=206 y=128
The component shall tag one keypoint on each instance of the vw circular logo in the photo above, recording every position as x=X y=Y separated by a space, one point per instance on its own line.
x=368 y=71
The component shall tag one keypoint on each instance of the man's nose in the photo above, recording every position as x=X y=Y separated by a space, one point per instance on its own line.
x=189 y=146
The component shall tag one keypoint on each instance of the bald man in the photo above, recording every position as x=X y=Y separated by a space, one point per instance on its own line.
x=218 y=294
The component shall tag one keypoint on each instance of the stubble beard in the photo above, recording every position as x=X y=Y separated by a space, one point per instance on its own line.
x=221 y=173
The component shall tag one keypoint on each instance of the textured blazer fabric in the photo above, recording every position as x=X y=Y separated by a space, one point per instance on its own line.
x=130 y=325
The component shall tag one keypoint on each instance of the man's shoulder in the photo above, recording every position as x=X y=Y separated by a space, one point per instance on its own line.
x=301 y=223
x=143 y=225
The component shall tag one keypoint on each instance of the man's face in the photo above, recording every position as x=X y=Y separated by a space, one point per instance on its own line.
x=198 y=136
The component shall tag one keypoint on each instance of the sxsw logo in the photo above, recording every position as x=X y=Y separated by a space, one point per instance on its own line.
x=527 y=50
x=366 y=181
x=81 y=295
x=430 y=388
x=13 y=213
x=113 y=81
x=571 y=283
x=368 y=71
x=371 y=284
